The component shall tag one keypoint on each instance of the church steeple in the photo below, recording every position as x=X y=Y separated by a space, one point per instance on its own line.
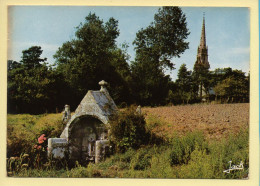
x=203 y=35
x=202 y=55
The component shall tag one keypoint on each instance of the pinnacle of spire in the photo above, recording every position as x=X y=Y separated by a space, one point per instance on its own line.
x=202 y=55
x=203 y=35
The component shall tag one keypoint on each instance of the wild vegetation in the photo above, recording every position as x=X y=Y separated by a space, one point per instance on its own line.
x=149 y=147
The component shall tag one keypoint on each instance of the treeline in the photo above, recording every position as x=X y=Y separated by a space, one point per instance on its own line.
x=35 y=86
x=223 y=85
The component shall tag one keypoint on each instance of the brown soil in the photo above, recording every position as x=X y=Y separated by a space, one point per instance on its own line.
x=216 y=120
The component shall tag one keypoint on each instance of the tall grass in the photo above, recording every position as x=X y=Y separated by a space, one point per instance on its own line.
x=24 y=129
x=187 y=156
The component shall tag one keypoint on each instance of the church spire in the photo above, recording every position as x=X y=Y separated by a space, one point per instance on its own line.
x=203 y=34
x=201 y=65
x=202 y=55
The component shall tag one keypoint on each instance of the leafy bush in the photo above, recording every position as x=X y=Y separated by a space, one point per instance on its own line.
x=199 y=166
x=128 y=155
x=127 y=130
x=141 y=160
x=182 y=147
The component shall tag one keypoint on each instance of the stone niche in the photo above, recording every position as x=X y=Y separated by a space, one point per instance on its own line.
x=85 y=136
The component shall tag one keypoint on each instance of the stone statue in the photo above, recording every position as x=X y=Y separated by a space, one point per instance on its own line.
x=138 y=110
x=66 y=114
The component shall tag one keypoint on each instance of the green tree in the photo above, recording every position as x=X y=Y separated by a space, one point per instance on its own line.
x=150 y=84
x=165 y=37
x=201 y=80
x=92 y=56
x=30 y=83
x=156 y=45
x=31 y=57
x=234 y=88
x=173 y=96
x=184 y=83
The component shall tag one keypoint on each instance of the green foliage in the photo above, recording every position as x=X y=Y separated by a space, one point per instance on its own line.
x=80 y=64
x=127 y=130
x=127 y=156
x=20 y=136
x=236 y=148
x=184 y=146
x=201 y=79
x=198 y=167
x=155 y=46
x=165 y=37
x=30 y=83
x=92 y=56
x=184 y=83
x=17 y=164
x=50 y=125
x=150 y=85
x=152 y=122
x=141 y=160
x=31 y=57
x=233 y=87
x=211 y=164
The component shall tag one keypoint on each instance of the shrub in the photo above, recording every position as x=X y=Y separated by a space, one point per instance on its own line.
x=127 y=130
x=128 y=155
x=236 y=149
x=141 y=159
x=199 y=166
x=210 y=162
x=182 y=147
x=160 y=163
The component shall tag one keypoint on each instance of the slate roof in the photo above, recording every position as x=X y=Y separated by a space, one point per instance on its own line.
x=98 y=104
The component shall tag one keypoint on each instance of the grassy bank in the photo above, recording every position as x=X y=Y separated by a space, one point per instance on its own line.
x=189 y=155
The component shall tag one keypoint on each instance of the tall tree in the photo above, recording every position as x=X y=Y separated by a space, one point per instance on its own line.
x=30 y=83
x=31 y=57
x=165 y=37
x=184 y=83
x=156 y=45
x=90 y=57
x=150 y=84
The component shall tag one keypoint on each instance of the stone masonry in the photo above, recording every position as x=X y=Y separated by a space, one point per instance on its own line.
x=85 y=136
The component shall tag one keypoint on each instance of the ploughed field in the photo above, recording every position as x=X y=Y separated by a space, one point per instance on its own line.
x=216 y=120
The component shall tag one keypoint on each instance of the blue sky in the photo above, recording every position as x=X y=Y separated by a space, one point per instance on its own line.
x=227 y=31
